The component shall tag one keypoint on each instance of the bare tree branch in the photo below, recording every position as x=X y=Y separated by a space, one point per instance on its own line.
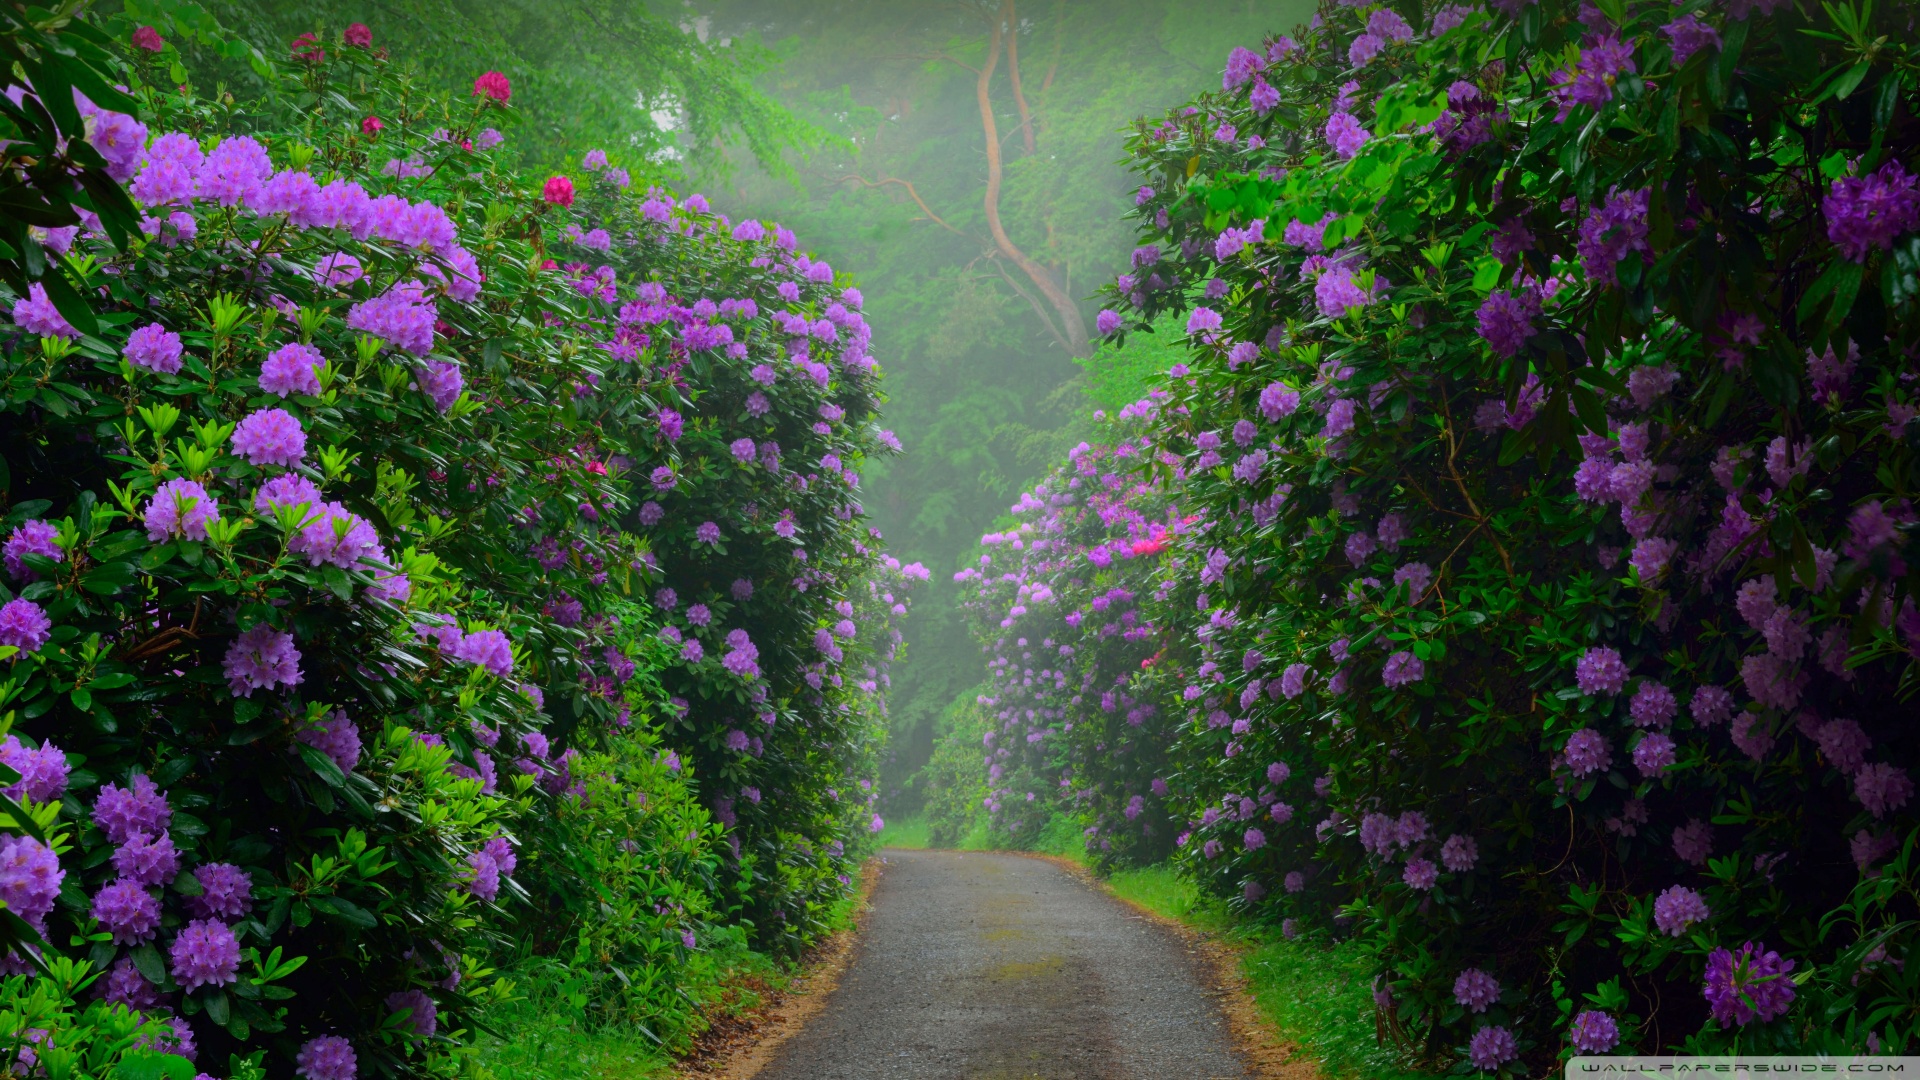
x=908 y=184
x=1039 y=308
x=1070 y=329
x=1013 y=73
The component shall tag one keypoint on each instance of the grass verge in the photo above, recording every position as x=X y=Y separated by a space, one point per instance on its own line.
x=544 y=1032
x=1313 y=991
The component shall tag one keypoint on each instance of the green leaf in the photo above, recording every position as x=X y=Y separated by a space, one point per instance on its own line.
x=148 y=1065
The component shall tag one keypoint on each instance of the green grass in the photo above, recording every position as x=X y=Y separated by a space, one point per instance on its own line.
x=905 y=833
x=545 y=1035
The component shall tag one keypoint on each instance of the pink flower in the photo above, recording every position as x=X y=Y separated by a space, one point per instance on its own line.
x=493 y=85
x=558 y=191
x=149 y=39
x=372 y=126
x=359 y=35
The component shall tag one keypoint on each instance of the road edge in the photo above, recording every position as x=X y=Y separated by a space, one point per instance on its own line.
x=748 y=1041
x=1267 y=1052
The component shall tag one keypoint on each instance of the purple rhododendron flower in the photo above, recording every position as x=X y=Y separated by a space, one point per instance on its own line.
x=1689 y=35
x=1345 y=134
x=24 y=625
x=292 y=369
x=30 y=538
x=1600 y=671
x=1587 y=752
x=270 y=437
x=155 y=348
x=140 y=807
x=1403 y=668
x=1750 y=985
x=180 y=509
x=422 y=1015
x=1868 y=212
x=128 y=911
x=489 y=649
x=1491 y=1047
x=205 y=954
x=1476 y=990
x=261 y=658
x=327 y=1057
x=1594 y=1032
x=226 y=892
x=1677 y=909
x=337 y=737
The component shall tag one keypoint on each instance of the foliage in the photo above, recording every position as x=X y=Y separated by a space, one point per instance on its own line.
x=586 y=73
x=985 y=397
x=307 y=738
x=1455 y=296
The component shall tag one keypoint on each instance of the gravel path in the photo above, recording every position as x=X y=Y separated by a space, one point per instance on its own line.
x=976 y=966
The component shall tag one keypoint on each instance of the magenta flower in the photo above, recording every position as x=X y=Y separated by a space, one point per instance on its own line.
x=1689 y=35
x=148 y=860
x=206 y=954
x=1653 y=705
x=1711 y=706
x=1506 y=320
x=493 y=85
x=30 y=878
x=336 y=536
x=1654 y=754
x=558 y=191
x=1882 y=788
x=1345 y=134
x=1421 y=874
x=292 y=369
x=1615 y=228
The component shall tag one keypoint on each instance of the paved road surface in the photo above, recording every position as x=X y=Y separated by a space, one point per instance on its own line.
x=977 y=966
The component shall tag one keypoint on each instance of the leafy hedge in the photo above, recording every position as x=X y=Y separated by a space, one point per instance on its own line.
x=1546 y=440
x=328 y=567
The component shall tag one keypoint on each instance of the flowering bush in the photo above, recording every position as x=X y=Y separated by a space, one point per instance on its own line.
x=1548 y=418
x=320 y=529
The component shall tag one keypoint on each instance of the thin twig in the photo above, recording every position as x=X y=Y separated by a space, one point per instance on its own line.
x=908 y=184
